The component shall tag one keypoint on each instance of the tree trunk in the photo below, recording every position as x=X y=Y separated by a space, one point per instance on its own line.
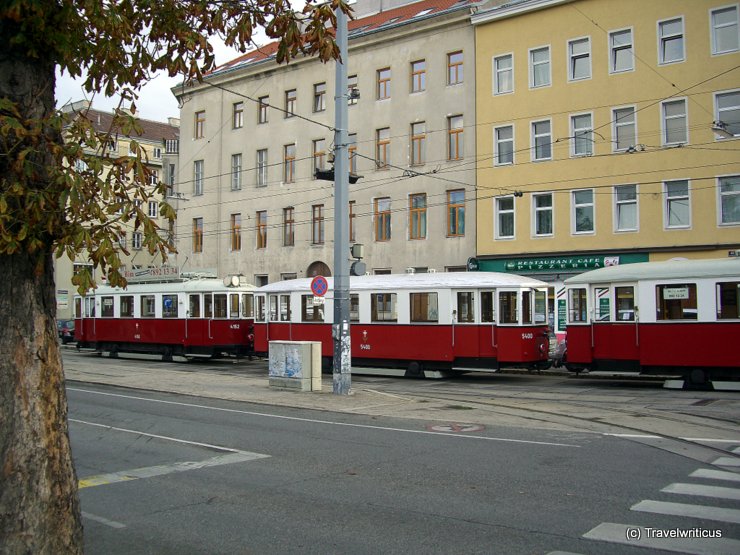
x=39 y=506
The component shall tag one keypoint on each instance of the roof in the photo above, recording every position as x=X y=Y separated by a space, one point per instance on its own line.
x=396 y=282
x=671 y=269
x=402 y=15
x=193 y=285
x=150 y=130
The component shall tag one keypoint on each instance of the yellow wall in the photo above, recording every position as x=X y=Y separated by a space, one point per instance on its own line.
x=700 y=161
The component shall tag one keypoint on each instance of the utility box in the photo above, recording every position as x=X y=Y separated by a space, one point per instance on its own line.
x=295 y=365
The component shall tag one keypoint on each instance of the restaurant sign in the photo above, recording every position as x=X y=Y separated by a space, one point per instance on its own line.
x=560 y=263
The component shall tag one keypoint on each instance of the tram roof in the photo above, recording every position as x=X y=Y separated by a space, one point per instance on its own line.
x=670 y=269
x=393 y=282
x=211 y=285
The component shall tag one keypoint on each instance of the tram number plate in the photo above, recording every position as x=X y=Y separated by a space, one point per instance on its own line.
x=527 y=336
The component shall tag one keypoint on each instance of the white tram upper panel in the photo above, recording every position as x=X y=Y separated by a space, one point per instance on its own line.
x=201 y=285
x=651 y=271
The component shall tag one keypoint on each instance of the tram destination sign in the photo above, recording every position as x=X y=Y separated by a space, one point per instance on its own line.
x=159 y=273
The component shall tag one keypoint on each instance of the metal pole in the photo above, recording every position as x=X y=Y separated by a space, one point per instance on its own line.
x=342 y=346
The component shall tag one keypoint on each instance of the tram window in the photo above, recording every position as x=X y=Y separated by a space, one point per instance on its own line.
x=577 y=305
x=676 y=301
x=89 y=307
x=247 y=306
x=354 y=307
x=234 y=305
x=127 y=306
x=311 y=312
x=526 y=307
x=169 y=306
x=195 y=306
x=78 y=308
x=147 y=306
x=208 y=305
x=219 y=305
x=487 y=312
x=285 y=308
x=273 y=308
x=727 y=300
x=424 y=307
x=383 y=307
x=602 y=308
x=465 y=307
x=625 y=303
x=106 y=307
x=260 y=316
x=507 y=307
x=540 y=307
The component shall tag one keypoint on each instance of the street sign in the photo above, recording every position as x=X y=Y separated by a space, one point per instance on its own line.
x=319 y=286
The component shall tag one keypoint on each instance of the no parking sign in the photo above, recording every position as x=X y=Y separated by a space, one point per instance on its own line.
x=319 y=286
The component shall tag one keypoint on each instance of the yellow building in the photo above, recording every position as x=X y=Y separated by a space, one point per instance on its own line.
x=607 y=132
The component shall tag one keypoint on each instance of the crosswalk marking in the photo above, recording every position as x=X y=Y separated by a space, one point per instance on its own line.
x=727 y=461
x=638 y=536
x=704 y=491
x=715 y=475
x=718 y=514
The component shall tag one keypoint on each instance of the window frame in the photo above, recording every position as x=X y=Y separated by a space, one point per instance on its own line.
x=289 y=226
x=499 y=213
x=534 y=137
x=735 y=108
x=199 y=130
x=263 y=104
x=198 y=171
x=197 y=244
x=383 y=83
x=713 y=29
x=418 y=143
x=665 y=118
x=586 y=135
x=614 y=49
x=455 y=214
x=675 y=198
x=236 y=172
x=317 y=224
x=289 y=154
x=536 y=210
x=291 y=101
x=262 y=165
x=571 y=57
x=731 y=194
x=575 y=206
x=497 y=142
x=455 y=69
x=260 y=225
x=455 y=138
x=237 y=117
x=498 y=72
x=533 y=65
x=382 y=146
x=418 y=76
x=617 y=125
x=382 y=219
x=235 y=230
x=319 y=155
x=417 y=217
x=662 y=40
x=618 y=204
x=319 y=97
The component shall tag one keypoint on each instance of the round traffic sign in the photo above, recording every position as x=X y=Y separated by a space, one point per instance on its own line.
x=319 y=286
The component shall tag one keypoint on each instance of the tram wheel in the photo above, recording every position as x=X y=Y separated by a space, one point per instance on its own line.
x=414 y=370
x=167 y=355
x=698 y=377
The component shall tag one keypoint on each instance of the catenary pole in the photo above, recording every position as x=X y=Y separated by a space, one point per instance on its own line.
x=342 y=346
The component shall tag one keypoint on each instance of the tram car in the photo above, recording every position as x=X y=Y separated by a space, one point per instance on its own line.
x=678 y=317
x=420 y=325
x=204 y=317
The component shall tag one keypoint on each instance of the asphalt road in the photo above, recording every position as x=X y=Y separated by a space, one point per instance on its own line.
x=166 y=473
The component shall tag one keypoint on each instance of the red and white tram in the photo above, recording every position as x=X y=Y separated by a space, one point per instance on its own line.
x=417 y=324
x=204 y=317
x=676 y=317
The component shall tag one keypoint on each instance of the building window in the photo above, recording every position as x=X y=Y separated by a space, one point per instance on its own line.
x=382 y=148
x=503 y=74
x=289 y=163
x=153 y=177
x=153 y=209
x=729 y=199
x=288 y=226
x=455 y=138
x=136 y=240
x=122 y=240
x=670 y=41
x=579 y=59
x=237 y=121
x=676 y=301
x=291 y=97
x=424 y=307
x=539 y=67
x=262 y=168
x=261 y=221
x=677 y=204
x=236 y=232
x=418 y=143
x=171 y=179
x=418 y=76
x=728 y=111
x=625 y=207
x=505 y=218
x=541 y=141
x=675 y=124
x=352 y=216
x=157 y=152
x=625 y=128
x=197 y=234
x=198 y=177
x=542 y=206
x=456 y=213
x=352 y=152
x=725 y=33
x=383 y=307
x=581 y=130
x=264 y=103
x=319 y=97
x=455 y=73
x=317 y=224
x=200 y=124
x=352 y=84
x=384 y=83
x=383 y=219
x=583 y=211
x=504 y=145
x=319 y=154
x=236 y=172
x=621 y=55
x=418 y=216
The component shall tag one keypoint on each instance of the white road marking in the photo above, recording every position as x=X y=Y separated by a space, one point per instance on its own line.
x=328 y=422
x=717 y=492
x=628 y=535
x=101 y=520
x=715 y=475
x=718 y=514
x=727 y=461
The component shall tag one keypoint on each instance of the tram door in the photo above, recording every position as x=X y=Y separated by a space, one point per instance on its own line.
x=615 y=334
x=487 y=341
